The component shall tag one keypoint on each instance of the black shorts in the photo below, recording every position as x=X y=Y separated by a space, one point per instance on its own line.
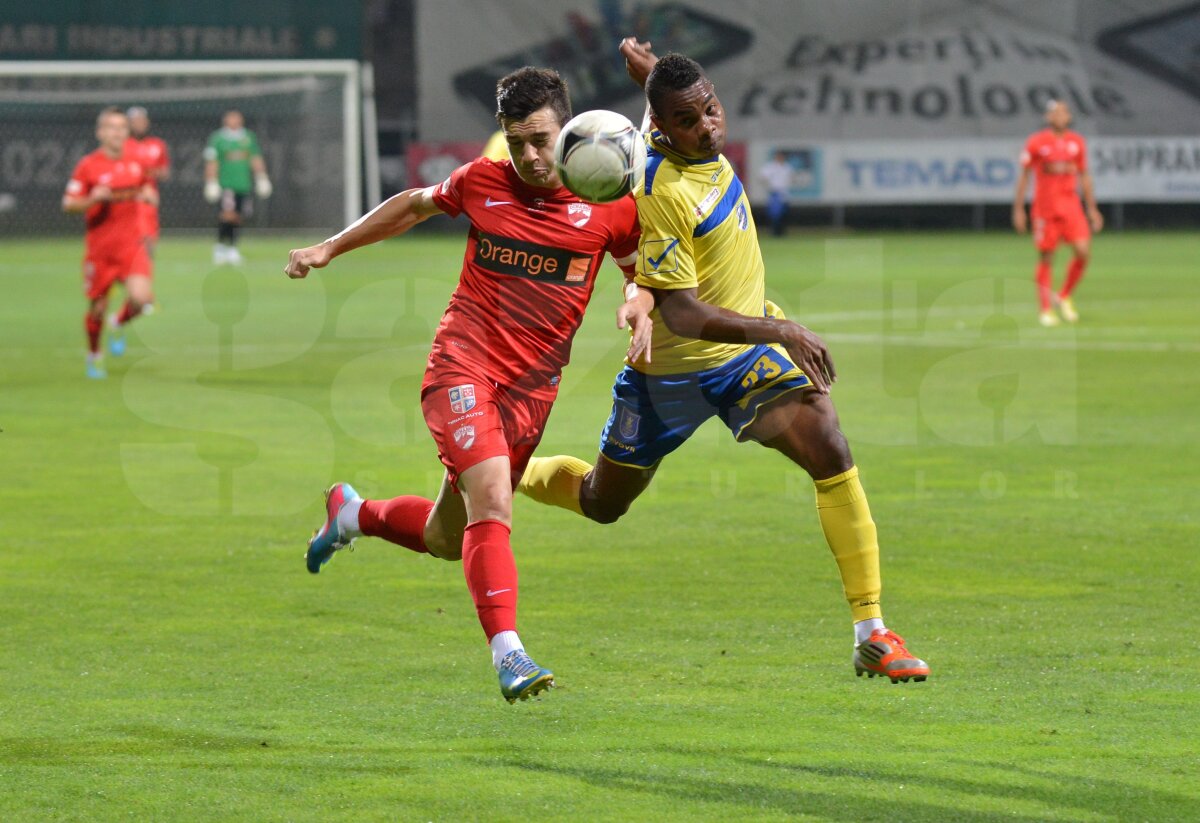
x=235 y=201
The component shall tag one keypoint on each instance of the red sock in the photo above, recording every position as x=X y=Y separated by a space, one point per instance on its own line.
x=491 y=573
x=1074 y=275
x=1045 y=285
x=400 y=520
x=93 y=326
x=127 y=313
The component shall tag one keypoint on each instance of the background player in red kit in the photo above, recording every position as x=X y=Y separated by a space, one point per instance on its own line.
x=151 y=153
x=1058 y=159
x=109 y=189
x=530 y=266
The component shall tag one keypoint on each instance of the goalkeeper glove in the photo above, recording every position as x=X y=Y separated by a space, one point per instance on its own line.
x=212 y=191
x=262 y=186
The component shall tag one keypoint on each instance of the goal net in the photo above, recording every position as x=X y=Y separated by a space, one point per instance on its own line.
x=306 y=115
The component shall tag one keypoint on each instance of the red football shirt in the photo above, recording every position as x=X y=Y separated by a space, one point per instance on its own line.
x=116 y=223
x=1056 y=159
x=150 y=152
x=528 y=273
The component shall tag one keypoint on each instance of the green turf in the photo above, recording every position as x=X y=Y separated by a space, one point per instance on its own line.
x=166 y=656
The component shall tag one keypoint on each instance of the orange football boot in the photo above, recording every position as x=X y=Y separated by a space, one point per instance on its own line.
x=884 y=654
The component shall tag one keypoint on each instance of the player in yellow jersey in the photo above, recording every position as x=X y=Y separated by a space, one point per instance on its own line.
x=719 y=348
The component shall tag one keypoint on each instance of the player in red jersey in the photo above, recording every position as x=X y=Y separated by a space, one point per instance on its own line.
x=110 y=189
x=1057 y=157
x=151 y=152
x=531 y=262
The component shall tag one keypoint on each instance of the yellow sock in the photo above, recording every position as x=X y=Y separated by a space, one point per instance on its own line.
x=850 y=532
x=555 y=481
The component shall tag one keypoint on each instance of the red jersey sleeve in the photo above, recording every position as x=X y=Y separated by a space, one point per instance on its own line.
x=80 y=182
x=1082 y=162
x=1027 y=153
x=450 y=195
x=626 y=233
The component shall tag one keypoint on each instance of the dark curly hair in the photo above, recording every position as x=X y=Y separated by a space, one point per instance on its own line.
x=673 y=72
x=528 y=89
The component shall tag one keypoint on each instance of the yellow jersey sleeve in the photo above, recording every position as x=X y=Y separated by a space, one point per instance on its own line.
x=666 y=258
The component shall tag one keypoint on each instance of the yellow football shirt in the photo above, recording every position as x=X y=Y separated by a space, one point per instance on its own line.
x=697 y=232
x=496 y=148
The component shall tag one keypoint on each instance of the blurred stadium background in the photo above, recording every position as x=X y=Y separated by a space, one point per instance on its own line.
x=892 y=114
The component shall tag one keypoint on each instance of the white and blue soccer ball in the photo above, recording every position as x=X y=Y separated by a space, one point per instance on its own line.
x=600 y=156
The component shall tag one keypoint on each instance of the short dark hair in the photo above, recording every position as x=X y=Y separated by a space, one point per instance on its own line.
x=106 y=111
x=528 y=89
x=672 y=72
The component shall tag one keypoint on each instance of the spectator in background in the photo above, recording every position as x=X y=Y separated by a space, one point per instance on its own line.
x=777 y=175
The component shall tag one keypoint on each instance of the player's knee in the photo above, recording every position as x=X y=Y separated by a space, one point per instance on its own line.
x=829 y=457
x=604 y=511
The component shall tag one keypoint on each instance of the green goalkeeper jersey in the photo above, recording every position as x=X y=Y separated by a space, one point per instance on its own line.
x=232 y=150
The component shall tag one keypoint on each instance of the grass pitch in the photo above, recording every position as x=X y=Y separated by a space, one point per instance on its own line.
x=166 y=656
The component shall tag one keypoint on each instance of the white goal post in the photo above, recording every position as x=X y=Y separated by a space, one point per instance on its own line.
x=48 y=108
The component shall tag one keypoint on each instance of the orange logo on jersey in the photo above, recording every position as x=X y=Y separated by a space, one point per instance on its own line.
x=519 y=258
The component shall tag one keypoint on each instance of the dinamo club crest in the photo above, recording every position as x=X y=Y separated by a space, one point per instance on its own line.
x=579 y=214
x=462 y=398
x=464 y=436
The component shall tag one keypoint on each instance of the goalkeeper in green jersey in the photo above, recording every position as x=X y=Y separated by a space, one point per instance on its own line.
x=234 y=170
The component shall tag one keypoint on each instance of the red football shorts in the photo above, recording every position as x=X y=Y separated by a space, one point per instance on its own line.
x=472 y=420
x=102 y=268
x=1066 y=222
x=149 y=219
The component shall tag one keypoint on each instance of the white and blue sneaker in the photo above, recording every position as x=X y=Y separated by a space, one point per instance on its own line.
x=329 y=538
x=116 y=337
x=95 y=368
x=521 y=678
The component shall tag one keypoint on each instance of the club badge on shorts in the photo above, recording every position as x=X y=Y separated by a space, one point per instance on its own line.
x=462 y=398
x=464 y=437
x=629 y=423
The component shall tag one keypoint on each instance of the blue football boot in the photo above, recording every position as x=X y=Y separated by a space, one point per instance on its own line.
x=521 y=678
x=95 y=369
x=329 y=539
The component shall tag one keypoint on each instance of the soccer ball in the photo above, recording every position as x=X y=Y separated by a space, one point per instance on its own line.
x=600 y=156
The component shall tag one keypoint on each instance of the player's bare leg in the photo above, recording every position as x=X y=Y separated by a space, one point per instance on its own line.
x=491 y=573
x=803 y=426
x=609 y=489
x=603 y=492
x=139 y=294
x=1075 y=270
x=446 y=523
x=1044 y=277
x=93 y=324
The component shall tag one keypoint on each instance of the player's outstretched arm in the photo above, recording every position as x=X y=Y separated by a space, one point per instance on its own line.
x=392 y=217
x=687 y=316
x=1019 y=220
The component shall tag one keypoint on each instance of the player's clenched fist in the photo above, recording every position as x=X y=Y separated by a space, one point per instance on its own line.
x=301 y=260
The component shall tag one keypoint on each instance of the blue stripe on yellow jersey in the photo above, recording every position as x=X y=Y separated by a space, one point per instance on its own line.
x=697 y=233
